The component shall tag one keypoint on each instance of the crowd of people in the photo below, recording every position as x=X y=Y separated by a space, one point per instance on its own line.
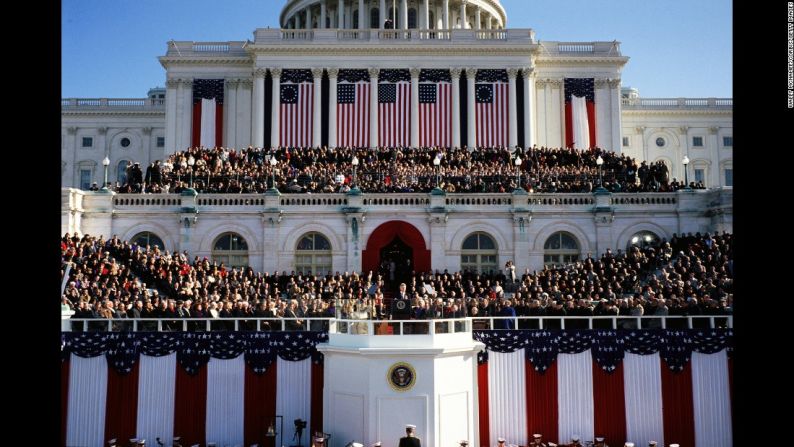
x=390 y=170
x=690 y=275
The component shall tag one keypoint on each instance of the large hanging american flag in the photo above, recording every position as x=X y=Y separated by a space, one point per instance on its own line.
x=207 y=113
x=352 y=108
x=394 y=108
x=297 y=108
x=490 y=92
x=580 y=88
x=435 y=108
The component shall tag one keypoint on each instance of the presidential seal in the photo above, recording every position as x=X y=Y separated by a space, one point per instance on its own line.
x=401 y=376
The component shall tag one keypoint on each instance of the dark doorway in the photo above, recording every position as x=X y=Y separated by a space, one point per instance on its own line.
x=395 y=262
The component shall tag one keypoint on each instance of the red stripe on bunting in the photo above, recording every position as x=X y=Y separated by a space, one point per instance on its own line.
x=260 y=406
x=190 y=406
x=677 y=406
x=195 y=139
x=482 y=398
x=542 y=405
x=121 y=406
x=609 y=404
x=218 y=124
x=64 y=399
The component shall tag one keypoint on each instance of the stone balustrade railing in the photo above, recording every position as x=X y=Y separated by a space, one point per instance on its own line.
x=677 y=103
x=267 y=36
x=113 y=103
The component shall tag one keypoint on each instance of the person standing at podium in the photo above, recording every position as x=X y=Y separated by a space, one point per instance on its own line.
x=410 y=439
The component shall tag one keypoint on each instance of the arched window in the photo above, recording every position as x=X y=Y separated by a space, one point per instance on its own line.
x=643 y=239
x=121 y=172
x=374 y=18
x=148 y=238
x=230 y=249
x=412 y=18
x=479 y=253
x=560 y=248
x=313 y=254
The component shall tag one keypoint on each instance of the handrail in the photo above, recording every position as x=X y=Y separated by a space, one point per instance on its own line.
x=345 y=326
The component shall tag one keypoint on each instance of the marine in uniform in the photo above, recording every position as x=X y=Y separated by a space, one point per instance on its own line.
x=410 y=439
x=537 y=440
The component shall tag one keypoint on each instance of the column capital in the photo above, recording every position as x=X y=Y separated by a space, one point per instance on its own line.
x=614 y=83
x=71 y=130
x=232 y=83
x=512 y=72
x=714 y=129
x=246 y=83
x=102 y=130
x=275 y=72
x=682 y=130
x=415 y=72
x=332 y=72
x=554 y=83
x=317 y=72
x=464 y=2
x=540 y=83
x=600 y=82
x=471 y=72
x=528 y=72
x=147 y=130
x=640 y=129
x=373 y=72
x=187 y=82
x=172 y=83
x=455 y=73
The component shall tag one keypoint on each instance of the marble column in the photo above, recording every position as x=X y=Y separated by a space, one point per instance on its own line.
x=308 y=17
x=463 y=24
x=332 y=76
x=373 y=107
x=323 y=12
x=244 y=95
x=340 y=21
x=445 y=16
x=361 y=15
x=512 y=108
x=382 y=14
x=275 y=75
x=614 y=94
x=230 y=110
x=529 y=106
x=603 y=108
x=170 y=115
x=187 y=114
x=403 y=14
x=426 y=11
x=317 y=116
x=683 y=136
x=258 y=120
x=477 y=18
x=455 y=74
x=415 y=107
x=471 y=130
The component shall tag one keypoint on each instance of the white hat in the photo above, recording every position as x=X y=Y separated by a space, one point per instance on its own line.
x=650 y=443
x=112 y=441
x=410 y=426
x=599 y=439
x=674 y=445
x=133 y=440
x=628 y=444
x=537 y=435
x=319 y=439
x=575 y=438
x=500 y=440
x=141 y=442
x=377 y=444
x=356 y=444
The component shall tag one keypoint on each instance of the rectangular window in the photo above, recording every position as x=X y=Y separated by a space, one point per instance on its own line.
x=88 y=141
x=697 y=141
x=699 y=175
x=85 y=179
x=729 y=177
x=625 y=141
x=160 y=141
x=727 y=141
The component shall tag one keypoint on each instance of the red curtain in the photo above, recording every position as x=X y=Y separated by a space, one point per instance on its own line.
x=677 y=406
x=569 y=124
x=385 y=233
x=482 y=398
x=121 y=406
x=218 y=124
x=260 y=406
x=196 y=130
x=542 y=406
x=64 y=399
x=609 y=404
x=190 y=406
x=317 y=398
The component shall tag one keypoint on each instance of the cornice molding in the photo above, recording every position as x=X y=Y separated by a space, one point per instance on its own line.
x=112 y=112
x=381 y=50
x=168 y=62
x=699 y=112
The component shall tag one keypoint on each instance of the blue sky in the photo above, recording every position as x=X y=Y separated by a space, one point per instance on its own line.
x=678 y=48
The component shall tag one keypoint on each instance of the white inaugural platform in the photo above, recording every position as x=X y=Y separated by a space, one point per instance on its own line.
x=380 y=376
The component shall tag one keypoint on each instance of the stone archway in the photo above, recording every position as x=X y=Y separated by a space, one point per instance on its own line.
x=385 y=234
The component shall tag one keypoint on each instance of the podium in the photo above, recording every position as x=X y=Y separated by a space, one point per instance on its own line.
x=380 y=376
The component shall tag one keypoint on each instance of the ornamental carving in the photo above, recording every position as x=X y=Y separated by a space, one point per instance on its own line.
x=614 y=83
x=455 y=73
x=246 y=83
x=71 y=130
x=554 y=83
x=260 y=73
x=373 y=72
x=415 y=72
x=333 y=72
x=232 y=83
x=512 y=72
x=683 y=130
x=471 y=73
x=172 y=83
x=275 y=72
x=601 y=83
x=187 y=83
x=317 y=72
x=713 y=130
x=528 y=72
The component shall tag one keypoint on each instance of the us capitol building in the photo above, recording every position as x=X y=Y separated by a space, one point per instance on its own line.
x=327 y=44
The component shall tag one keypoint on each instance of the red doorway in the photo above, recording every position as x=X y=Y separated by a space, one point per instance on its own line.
x=386 y=233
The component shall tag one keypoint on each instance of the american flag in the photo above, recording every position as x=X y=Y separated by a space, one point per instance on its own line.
x=207 y=113
x=490 y=92
x=394 y=108
x=297 y=108
x=435 y=108
x=352 y=108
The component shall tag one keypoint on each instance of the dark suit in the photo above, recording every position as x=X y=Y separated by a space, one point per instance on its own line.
x=410 y=441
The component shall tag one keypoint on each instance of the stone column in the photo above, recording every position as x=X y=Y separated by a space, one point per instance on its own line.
x=603 y=107
x=512 y=112
x=258 y=120
x=477 y=18
x=426 y=11
x=361 y=14
x=332 y=74
x=308 y=17
x=415 y=107
x=373 y=107
x=187 y=114
x=445 y=16
x=470 y=105
x=683 y=135
x=614 y=85
x=403 y=14
x=529 y=106
x=463 y=24
x=455 y=74
x=713 y=146
x=382 y=14
x=317 y=128
x=341 y=15
x=230 y=97
x=489 y=22
x=170 y=115
x=275 y=75
x=323 y=12
x=244 y=132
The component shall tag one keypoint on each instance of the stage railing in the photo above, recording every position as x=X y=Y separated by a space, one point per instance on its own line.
x=394 y=327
